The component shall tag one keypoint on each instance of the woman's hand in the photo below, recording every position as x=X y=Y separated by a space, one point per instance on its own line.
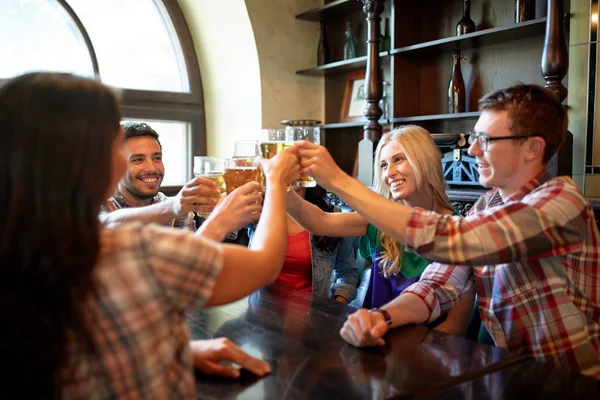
x=316 y=161
x=207 y=355
x=363 y=328
x=283 y=168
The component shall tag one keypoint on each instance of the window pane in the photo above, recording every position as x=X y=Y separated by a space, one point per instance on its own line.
x=136 y=44
x=39 y=35
x=174 y=137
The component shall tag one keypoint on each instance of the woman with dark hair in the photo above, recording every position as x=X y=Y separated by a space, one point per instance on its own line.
x=310 y=259
x=96 y=312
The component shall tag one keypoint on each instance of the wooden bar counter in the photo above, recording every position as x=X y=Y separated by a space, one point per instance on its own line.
x=299 y=336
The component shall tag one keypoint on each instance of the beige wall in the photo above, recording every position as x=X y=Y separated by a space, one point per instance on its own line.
x=229 y=67
x=248 y=54
x=285 y=45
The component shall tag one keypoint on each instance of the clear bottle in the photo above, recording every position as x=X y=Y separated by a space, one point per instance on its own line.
x=456 y=87
x=323 y=47
x=349 y=45
x=466 y=24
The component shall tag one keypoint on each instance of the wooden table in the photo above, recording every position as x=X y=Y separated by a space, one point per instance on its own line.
x=299 y=336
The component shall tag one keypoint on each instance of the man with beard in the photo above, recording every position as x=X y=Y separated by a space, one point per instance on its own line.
x=138 y=198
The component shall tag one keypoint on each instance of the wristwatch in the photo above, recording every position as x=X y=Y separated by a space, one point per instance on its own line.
x=386 y=315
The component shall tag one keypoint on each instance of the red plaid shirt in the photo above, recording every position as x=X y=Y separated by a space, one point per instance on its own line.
x=145 y=277
x=536 y=264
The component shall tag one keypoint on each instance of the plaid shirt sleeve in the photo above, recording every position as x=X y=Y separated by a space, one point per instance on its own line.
x=546 y=223
x=185 y=265
x=441 y=287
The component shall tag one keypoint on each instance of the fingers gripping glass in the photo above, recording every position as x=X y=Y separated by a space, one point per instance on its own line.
x=483 y=140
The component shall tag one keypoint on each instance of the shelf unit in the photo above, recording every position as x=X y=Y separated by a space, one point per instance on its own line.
x=436 y=117
x=339 y=66
x=418 y=66
x=477 y=39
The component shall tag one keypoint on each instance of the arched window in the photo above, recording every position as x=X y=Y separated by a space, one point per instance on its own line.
x=143 y=47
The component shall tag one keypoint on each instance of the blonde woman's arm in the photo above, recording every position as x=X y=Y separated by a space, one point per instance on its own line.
x=323 y=223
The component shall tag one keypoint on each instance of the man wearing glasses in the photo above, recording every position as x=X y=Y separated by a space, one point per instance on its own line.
x=530 y=244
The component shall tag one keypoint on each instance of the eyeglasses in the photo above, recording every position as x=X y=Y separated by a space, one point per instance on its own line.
x=483 y=140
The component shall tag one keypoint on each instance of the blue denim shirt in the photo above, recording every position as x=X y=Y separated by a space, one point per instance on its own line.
x=339 y=258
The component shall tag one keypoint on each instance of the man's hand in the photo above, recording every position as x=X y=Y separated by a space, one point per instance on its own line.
x=207 y=355
x=363 y=328
x=237 y=210
x=199 y=194
x=318 y=163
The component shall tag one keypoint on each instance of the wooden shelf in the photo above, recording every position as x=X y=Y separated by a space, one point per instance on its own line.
x=436 y=117
x=333 y=10
x=339 y=125
x=486 y=37
x=339 y=66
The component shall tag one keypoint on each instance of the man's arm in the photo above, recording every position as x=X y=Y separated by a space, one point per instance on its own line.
x=199 y=194
x=160 y=213
x=547 y=224
x=438 y=290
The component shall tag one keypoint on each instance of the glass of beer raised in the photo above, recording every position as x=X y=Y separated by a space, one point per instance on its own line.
x=271 y=142
x=239 y=173
x=309 y=133
x=212 y=168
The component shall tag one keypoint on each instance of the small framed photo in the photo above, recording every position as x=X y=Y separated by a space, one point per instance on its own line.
x=355 y=98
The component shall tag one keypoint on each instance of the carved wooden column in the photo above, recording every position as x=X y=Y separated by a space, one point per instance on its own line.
x=374 y=91
x=555 y=64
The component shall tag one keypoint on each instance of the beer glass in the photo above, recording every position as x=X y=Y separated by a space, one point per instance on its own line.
x=309 y=133
x=238 y=174
x=272 y=141
x=244 y=152
x=212 y=168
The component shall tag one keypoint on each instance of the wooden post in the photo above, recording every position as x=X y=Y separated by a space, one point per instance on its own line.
x=374 y=91
x=554 y=65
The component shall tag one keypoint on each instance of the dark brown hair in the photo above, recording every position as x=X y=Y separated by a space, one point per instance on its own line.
x=56 y=135
x=532 y=110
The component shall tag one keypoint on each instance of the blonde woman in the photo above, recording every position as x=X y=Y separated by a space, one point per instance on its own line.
x=408 y=170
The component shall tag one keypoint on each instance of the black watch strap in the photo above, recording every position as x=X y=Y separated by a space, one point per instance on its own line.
x=386 y=315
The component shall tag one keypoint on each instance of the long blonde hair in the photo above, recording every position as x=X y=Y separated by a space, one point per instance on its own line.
x=425 y=159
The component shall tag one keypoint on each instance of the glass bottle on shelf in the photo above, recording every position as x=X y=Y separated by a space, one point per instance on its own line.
x=323 y=47
x=466 y=24
x=384 y=103
x=456 y=88
x=349 y=45
x=385 y=42
x=524 y=10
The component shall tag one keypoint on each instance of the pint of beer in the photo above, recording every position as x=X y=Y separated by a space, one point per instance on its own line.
x=238 y=172
x=212 y=168
x=309 y=133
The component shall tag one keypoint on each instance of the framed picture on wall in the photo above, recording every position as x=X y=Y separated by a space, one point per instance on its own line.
x=355 y=98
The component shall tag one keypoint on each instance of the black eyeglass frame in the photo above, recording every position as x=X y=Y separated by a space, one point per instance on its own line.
x=486 y=139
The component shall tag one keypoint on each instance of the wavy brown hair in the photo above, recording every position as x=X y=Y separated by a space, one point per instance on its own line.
x=532 y=110
x=56 y=137
x=426 y=161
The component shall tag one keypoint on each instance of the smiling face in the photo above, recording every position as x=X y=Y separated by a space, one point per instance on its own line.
x=145 y=170
x=397 y=173
x=502 y=164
